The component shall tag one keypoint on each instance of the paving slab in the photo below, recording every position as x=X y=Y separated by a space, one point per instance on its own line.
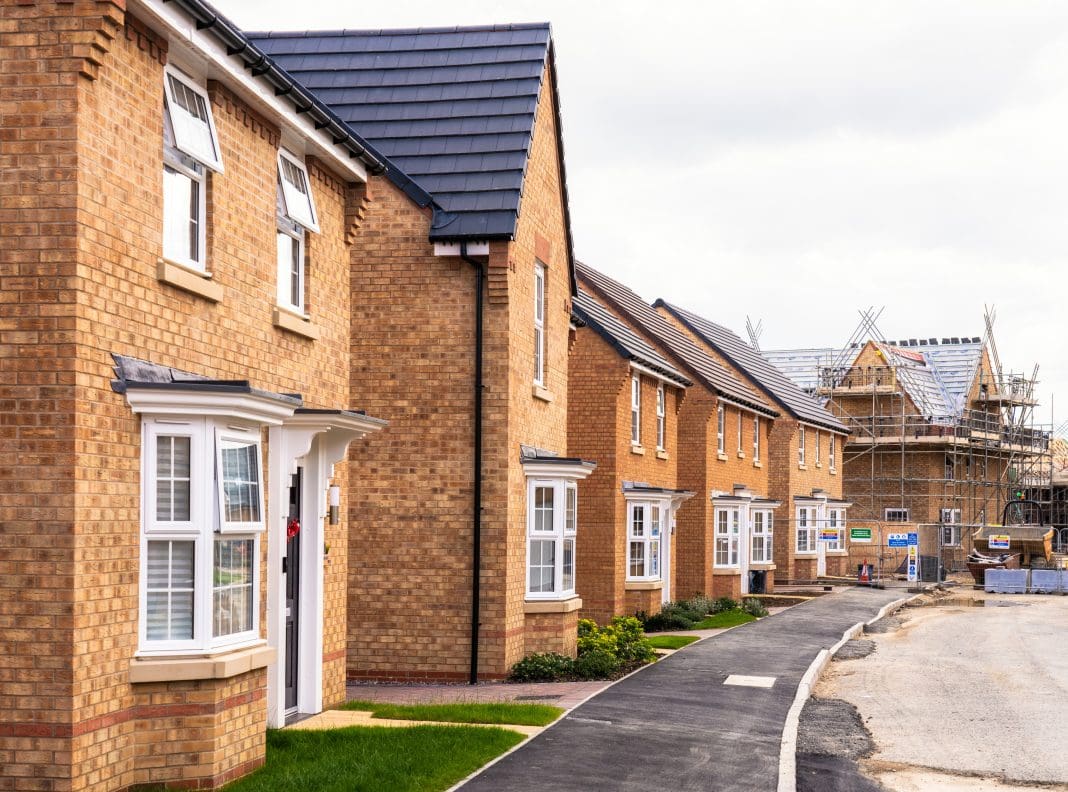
x=557 y=694
x=676 y=725
x=340 y=719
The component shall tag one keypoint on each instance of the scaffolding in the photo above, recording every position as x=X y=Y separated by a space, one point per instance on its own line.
x=921 y=460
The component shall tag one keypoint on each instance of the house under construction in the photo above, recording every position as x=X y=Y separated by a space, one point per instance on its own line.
x=941 y=433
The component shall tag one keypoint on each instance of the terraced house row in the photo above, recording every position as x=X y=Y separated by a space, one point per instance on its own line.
x=302 y=384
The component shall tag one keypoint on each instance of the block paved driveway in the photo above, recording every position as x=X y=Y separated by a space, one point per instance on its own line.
x=675 y=725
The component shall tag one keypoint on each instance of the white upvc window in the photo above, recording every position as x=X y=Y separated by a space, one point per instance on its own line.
x=552 y=521
x=721 y=425
x=644 y=529
x=756 y=438
x=832 y=452
x=806 y=529
x=836 y=522
x=298 y=204
x=950 y=519
x=800 y=445
x=202 y=516
x=635 y=410
x=763 y=535
x=539 y=324
x=190 y=149
x=741 y=433
x=661 y=417
x=727 y=535
x=818 y=439
x=896 y=515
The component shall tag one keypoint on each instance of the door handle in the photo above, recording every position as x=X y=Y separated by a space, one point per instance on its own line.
x=285 y=565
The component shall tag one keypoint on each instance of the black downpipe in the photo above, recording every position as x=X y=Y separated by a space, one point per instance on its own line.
x=476 y=538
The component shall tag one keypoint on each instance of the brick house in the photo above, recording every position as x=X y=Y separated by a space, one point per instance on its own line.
x=805 y=450
x=723 y=543
x=178 y=221
x=464 y=255
x=623 y=406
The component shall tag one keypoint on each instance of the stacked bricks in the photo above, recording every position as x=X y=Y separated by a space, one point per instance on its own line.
x=82 y=104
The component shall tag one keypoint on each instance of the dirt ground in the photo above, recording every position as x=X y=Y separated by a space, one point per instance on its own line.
x=969 y=691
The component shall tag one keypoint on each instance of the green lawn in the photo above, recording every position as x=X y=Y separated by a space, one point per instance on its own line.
x=494 y=712
x=374 y=758
x=672 y=641
x=731 y=618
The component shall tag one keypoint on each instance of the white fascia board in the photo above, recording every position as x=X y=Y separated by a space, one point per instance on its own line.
x=182 y=30
x=480 y=248
x=261 y=410
x=638 y=495
x=555 y=470
x=656 y=375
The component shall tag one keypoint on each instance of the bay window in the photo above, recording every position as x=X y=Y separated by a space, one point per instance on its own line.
x=551 y=527
x=202 y=516
x=763 y=534
x=836 y=522
x=727 y=535
x=806 y=529
x=644 y=540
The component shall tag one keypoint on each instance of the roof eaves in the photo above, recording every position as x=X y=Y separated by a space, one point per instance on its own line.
x=625 y=353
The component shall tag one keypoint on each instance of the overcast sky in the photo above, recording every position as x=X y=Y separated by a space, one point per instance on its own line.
x=795 y=162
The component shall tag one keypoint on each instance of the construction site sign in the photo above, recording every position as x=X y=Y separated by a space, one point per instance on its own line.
x=913 y=563
x=860 y=534
x=897 y=540
x=998 y=541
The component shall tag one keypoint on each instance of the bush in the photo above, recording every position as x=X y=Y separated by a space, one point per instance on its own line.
x=723 y=604
x=754 y=607
x=596 y=664
x=547 y=667
x=630 y=642
x=661 y=622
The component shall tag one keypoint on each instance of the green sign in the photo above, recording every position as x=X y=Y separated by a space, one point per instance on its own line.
x=860 y=534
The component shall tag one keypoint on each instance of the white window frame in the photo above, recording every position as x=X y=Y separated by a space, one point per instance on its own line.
x=756 y=438
x=650 y=538
x=721 y=425
x=951 y=529
x=801 y=444
x=806 y=525
x=819 y=460
x=896 y=514
x=245 y=435
x=635 y=410
x=727 y=532
x=661 y=418
x=181 y=120
x=295 y=233
x=831 y=452
x=182 y=165
x=836 y=520
x=298 y=206
x=203 y=530
x=741 y=433
x=763 y=529
x=539 y=323
x=563 y=531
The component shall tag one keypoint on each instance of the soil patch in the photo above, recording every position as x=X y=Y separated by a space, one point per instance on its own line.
x=831 y=738
x=855 y=649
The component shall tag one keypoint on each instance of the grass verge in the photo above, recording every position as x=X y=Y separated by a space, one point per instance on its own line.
x=492 y=712
x=731 y=618
x=672 y=641
x=373 y=758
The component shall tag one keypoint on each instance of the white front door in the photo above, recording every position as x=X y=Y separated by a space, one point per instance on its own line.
x=667 y=521
x=745 y=541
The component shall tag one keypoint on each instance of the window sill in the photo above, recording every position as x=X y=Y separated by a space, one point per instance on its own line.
x=637 y=449
x=661 y=454
x=805 y=553
x=643 y=585
x=541 y=392
x=837 y=552
x=552 y=606
x=726 y=571
x=819 y=466
x=833 y=471
x=757 y=463
x=220 y=666
x=284 y=319
x=721 y=456
x=741 y=454
x=763 y=566
x=190 y=280
x=802 y=466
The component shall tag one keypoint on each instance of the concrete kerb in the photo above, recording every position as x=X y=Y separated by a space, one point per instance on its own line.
x=788 y=746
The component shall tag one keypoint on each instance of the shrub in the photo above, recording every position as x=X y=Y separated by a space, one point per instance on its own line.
x=596 y=664
x=547 y=667
x=702 y=606
x=723 y=604
x=631 y=645
x=754 y=607
x=665 y=621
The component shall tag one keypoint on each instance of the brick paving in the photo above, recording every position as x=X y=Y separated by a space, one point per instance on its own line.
x=559 y=694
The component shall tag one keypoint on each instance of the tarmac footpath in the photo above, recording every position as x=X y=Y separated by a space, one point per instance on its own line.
x=676 y=725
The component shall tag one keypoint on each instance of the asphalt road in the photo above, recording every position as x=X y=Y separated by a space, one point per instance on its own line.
x=676 y=725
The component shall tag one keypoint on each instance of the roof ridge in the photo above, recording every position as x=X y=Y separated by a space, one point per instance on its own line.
x=488 y=28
